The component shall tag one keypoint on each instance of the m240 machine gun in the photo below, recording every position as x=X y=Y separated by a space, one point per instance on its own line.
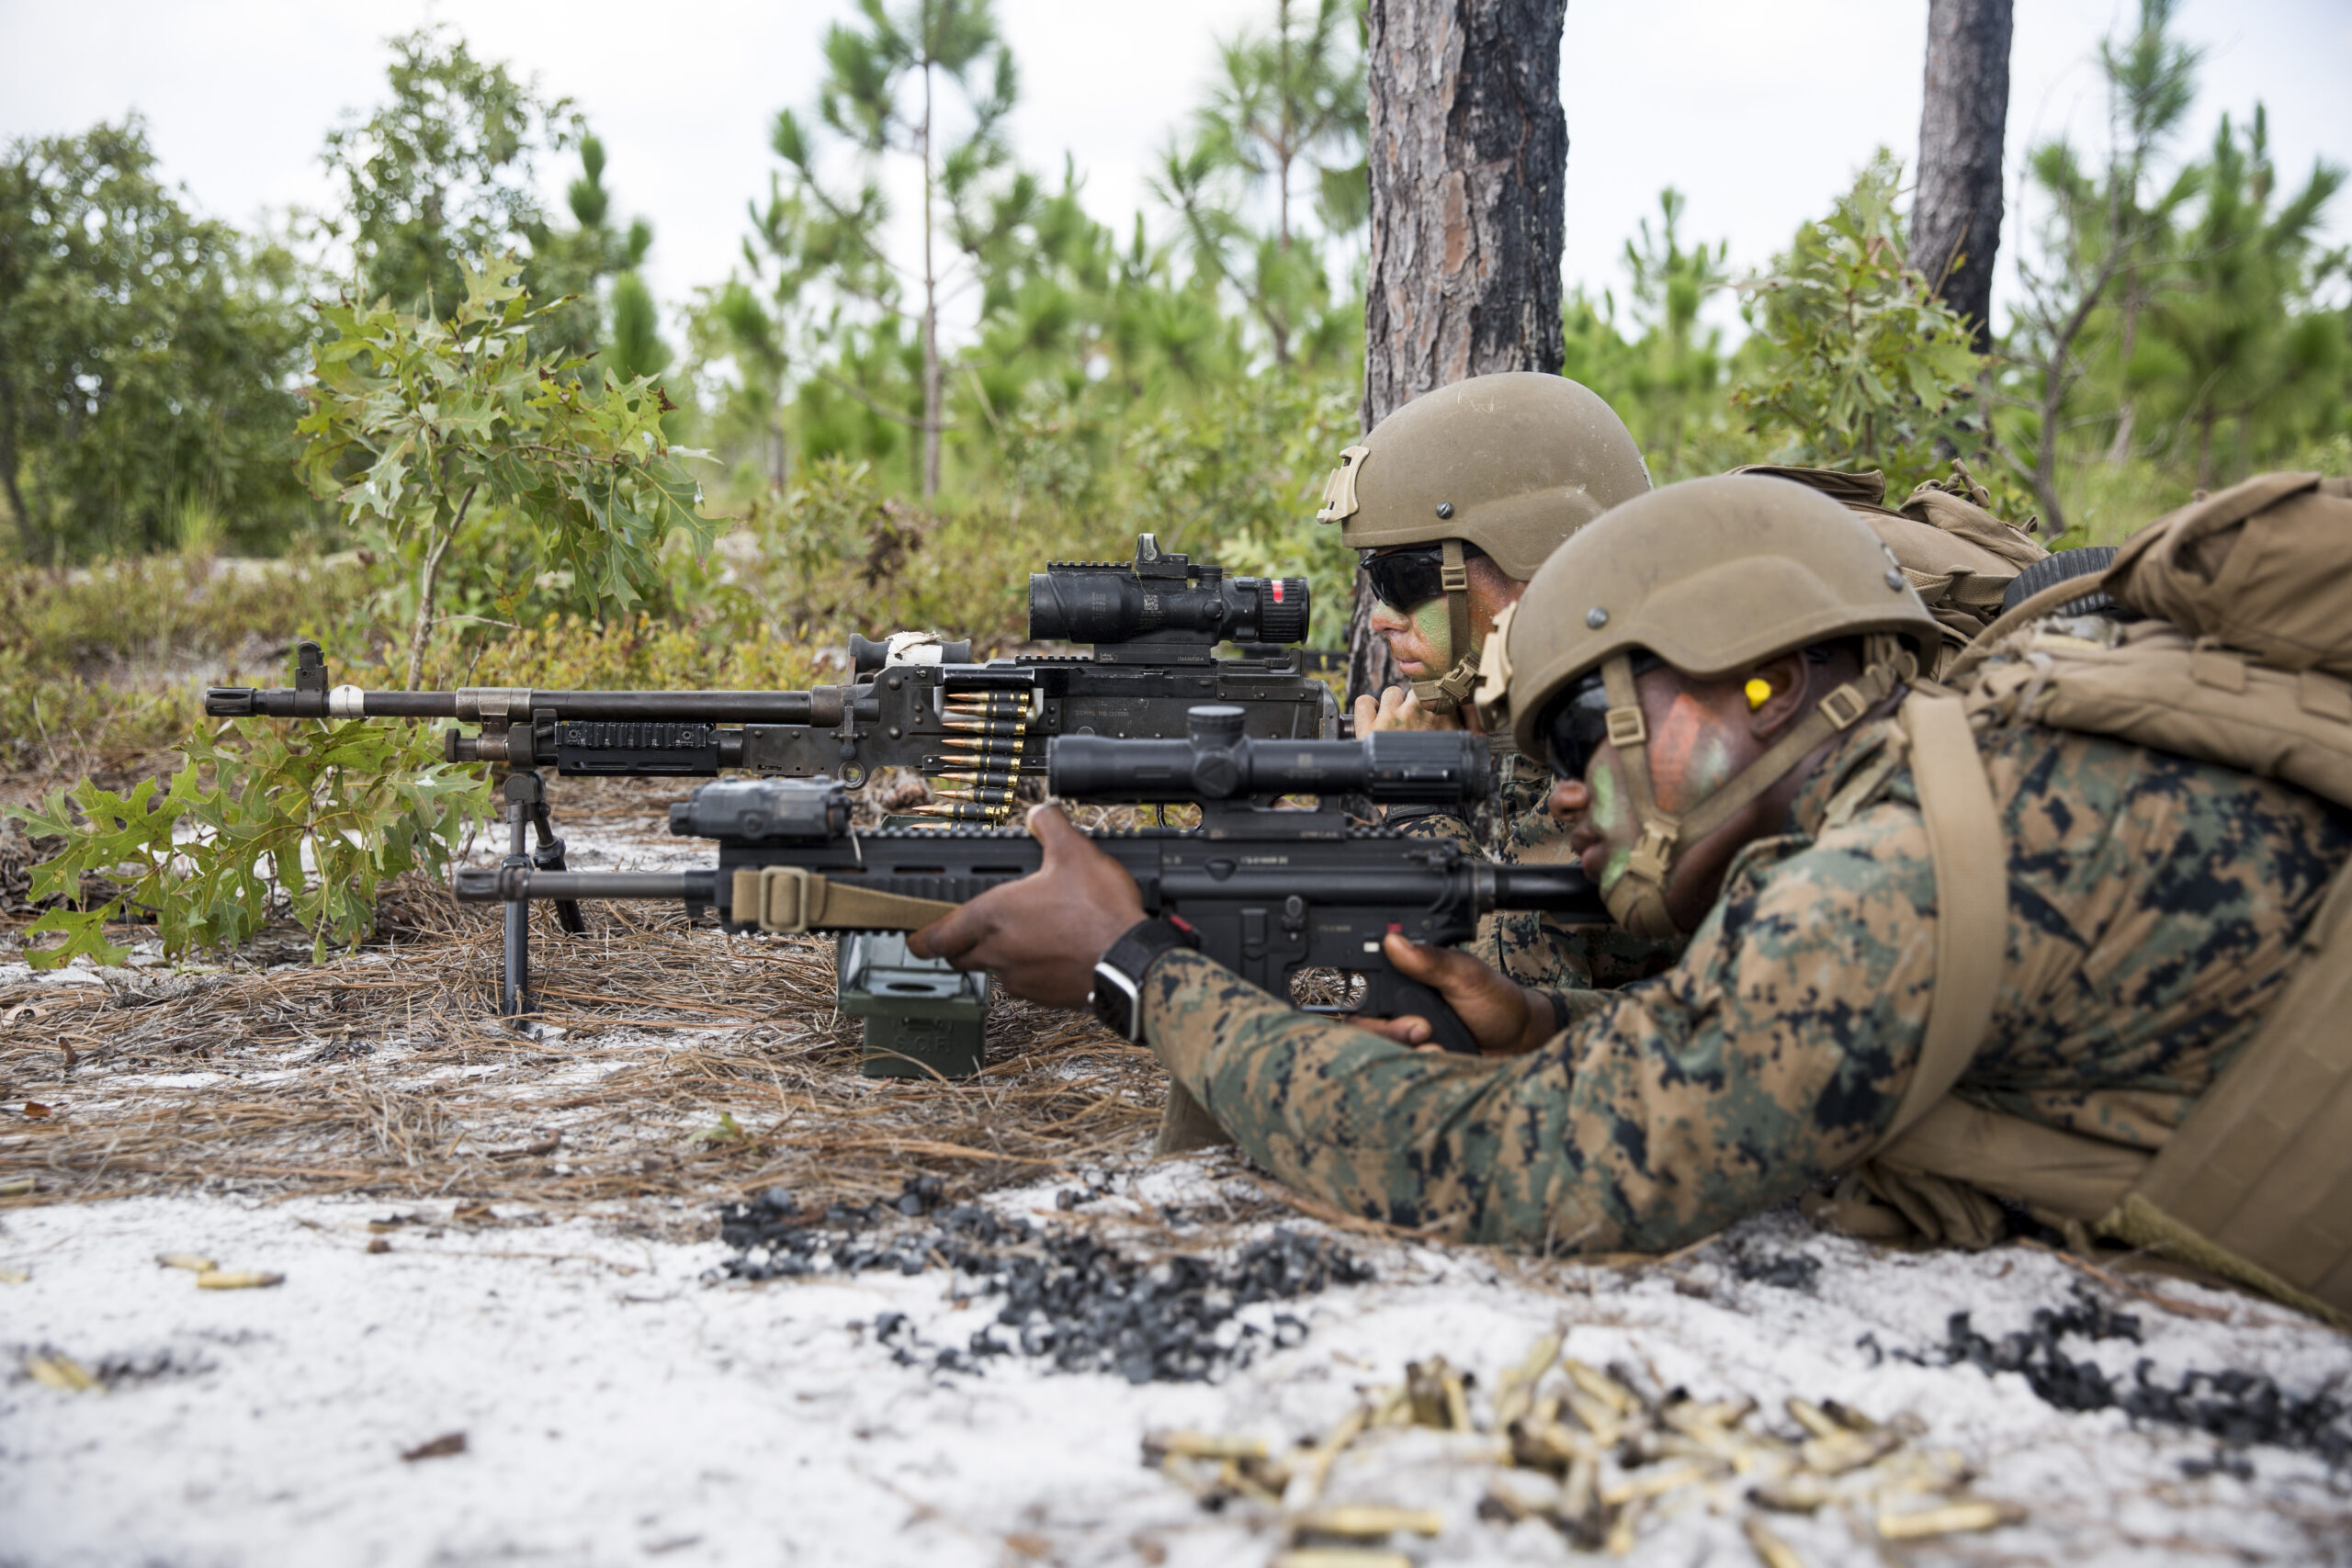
x=914 y=702
x=1272 y=889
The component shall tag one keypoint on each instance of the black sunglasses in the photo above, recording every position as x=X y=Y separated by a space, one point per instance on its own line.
x=1578 y=721
x=1410 y=576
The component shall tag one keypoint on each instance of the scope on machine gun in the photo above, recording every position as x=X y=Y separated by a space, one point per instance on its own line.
x=1161 y=608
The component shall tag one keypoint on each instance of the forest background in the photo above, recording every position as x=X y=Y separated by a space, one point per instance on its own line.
x=933 y=366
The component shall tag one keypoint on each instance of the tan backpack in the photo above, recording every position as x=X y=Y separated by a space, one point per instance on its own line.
x=1956 y=553
x=2245 y=661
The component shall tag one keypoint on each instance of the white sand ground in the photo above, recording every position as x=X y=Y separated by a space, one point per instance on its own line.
x=622 y=1404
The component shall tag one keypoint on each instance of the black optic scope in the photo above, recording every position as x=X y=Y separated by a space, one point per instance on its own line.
x=1218 y=761
x=1160 y=602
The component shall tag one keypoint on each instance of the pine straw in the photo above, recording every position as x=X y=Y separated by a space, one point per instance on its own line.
x=674 y=1064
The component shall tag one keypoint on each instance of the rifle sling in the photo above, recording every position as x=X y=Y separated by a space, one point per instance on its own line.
x=792 y=900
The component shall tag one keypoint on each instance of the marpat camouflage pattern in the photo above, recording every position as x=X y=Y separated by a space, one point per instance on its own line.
x=2154 y=904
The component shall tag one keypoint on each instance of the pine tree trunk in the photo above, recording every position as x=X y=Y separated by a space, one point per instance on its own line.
x=1468 y=154
x=1956 y=215
x=930 y=313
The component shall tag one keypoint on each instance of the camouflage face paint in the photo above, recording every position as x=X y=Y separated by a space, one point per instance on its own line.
x=1434 y=620
x=1689 y=757
x=1609 y=817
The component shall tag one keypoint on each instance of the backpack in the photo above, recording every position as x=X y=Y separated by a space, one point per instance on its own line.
x=2242 y=657
x=1958 y=555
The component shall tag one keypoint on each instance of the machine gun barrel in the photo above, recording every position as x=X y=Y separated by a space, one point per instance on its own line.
x=474 y=705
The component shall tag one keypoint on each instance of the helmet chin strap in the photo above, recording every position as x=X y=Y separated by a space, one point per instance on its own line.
x=1637 y=899
x=1450 y=691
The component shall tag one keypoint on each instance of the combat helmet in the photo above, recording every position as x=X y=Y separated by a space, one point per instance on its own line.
x=1710 y=575
x=1511 y=463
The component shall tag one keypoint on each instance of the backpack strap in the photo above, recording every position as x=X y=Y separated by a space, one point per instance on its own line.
x=1970 y=852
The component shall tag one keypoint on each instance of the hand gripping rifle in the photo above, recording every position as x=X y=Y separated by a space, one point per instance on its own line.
x=1270 y=889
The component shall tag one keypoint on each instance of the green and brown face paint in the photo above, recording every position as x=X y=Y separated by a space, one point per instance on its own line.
x=1688 y=758
x=1434 y=620
x=1609 y=817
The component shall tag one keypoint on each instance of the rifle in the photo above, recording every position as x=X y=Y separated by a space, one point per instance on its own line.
x=1270 y=889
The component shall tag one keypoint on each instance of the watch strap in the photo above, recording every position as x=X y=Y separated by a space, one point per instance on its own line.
x=1117 y=997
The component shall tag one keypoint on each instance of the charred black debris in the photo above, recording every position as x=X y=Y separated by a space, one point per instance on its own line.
x=1066 y=1296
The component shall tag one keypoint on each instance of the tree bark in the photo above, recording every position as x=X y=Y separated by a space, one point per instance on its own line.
x=1467 y=155
x=1956 y=213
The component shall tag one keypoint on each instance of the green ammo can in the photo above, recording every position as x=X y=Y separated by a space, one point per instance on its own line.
x=922 y=1017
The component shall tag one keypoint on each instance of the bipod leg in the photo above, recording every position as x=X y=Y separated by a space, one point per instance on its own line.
x=548 y=856
x=522 y=791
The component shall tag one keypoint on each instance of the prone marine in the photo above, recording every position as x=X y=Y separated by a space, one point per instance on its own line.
x=1451 y=502
x=1955 y=968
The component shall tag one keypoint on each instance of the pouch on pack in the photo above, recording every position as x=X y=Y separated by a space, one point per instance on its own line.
x=2241 y=658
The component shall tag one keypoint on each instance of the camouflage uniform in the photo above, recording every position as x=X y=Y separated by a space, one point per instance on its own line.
x=1532 y=948
x=2154 y=904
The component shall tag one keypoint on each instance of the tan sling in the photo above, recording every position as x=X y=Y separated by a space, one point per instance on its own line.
x=1971 y=900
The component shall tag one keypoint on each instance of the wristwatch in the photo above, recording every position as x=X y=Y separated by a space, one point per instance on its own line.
x=1117 y=997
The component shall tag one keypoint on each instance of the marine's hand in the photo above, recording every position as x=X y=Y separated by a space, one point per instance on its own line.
x=1399 y=709
x=1041 y=936
x=1504 y=1017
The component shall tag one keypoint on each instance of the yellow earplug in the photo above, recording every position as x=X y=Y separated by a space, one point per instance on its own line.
x=1759 y=692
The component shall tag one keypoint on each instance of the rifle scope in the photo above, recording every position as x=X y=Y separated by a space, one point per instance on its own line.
x=1219 y=762
x=1162 y=599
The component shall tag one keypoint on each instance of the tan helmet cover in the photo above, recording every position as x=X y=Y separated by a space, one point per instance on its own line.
x=1512 y=463
x=1711 y=575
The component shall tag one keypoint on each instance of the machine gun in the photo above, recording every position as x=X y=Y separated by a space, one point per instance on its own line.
x=914 y=702
x=1272 y=889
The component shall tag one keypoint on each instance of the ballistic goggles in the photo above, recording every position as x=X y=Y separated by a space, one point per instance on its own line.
x=1411 y=575
x=1578 y=721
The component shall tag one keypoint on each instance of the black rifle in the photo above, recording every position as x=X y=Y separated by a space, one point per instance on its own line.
x=1270 y=889
x=914 y=702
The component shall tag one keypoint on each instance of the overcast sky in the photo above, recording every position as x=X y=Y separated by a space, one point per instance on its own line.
x=1757 y=109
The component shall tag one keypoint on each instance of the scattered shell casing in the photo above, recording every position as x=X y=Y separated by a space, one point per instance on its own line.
x=1842 y=1451
x=1425 y=1386
x=1315 y=1466
x=1814 y=1420
x=1976 y=1514
x=194 y=1262
x=62 y=1371
x=1798 y=1494
x=1515 y=1390
x=1599 y=1416
x=1202 y=1445
x=1620 y=1539
x=237 y=1279
x=1361 y=1519
x=1770 y=1550
x=1601 y=1386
